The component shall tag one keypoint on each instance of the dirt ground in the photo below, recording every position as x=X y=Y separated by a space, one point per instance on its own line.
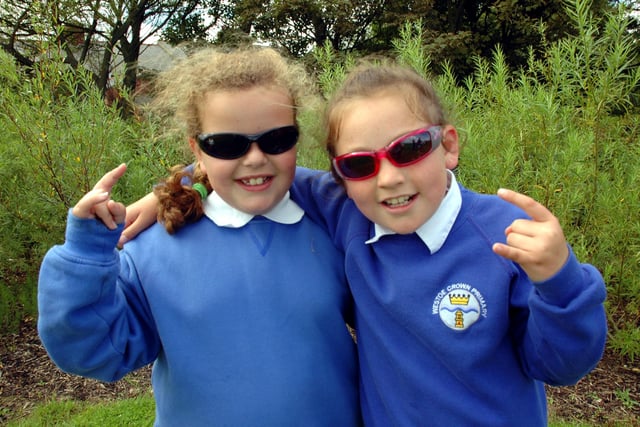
x=609 y=396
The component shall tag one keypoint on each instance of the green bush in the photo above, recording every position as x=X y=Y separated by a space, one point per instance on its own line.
x=59 y=137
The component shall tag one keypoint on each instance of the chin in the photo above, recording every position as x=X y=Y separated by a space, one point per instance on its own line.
x=402 y=229
x=258 y=209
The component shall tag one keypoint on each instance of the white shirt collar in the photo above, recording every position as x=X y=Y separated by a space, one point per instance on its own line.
x=224 y=215
x=435 y=231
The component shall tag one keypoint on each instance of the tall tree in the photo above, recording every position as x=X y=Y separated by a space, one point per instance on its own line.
x=93 y=32
x=456 y=31
x=89 y=33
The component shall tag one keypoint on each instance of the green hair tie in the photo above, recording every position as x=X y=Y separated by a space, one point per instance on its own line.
x=201 y=189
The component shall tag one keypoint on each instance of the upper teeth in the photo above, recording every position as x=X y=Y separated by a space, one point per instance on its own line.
x=397 y=201
x=254 y=181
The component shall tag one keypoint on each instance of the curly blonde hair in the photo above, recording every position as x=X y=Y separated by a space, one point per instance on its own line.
x=180 y=93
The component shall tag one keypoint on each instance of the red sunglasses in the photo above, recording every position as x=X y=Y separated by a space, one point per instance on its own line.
x=404 y=151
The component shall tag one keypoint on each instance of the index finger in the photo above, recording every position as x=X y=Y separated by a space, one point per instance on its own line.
x=535 y=210
x=110 y=179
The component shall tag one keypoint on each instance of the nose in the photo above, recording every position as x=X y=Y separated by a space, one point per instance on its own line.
x=389 y=175
x=255 y=156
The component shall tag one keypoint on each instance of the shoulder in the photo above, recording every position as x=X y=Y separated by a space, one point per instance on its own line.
x=487 y=212
x=157 y=240
x=319 y=184
x=489 y=205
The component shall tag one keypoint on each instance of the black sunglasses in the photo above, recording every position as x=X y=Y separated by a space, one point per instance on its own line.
x=404 y=151
x=230 y=146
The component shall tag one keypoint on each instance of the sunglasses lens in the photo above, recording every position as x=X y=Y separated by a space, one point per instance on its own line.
x=224 y=146
x=402 y=152
x=229 y=146
x=278 y=141
x=411 y=148
x=356 y=166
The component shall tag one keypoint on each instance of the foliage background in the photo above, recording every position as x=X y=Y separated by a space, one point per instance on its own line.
x=108 y=37
x=58 y=138
x=562 y=128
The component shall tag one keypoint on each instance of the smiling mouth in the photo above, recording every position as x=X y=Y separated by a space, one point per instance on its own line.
x=256 y=181
x=397 y=202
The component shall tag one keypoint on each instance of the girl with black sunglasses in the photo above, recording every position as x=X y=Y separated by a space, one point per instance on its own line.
x=238 y=299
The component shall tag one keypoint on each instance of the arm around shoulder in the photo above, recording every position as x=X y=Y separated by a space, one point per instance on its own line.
x=140 y=215
x=320 y=196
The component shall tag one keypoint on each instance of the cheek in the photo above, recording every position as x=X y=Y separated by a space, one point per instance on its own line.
x=287 y=162
x=291 y=157
x=359 y=192
x=348 y=186
x=216 y=170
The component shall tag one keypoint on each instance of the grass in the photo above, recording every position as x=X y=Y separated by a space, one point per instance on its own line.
x=138 y=411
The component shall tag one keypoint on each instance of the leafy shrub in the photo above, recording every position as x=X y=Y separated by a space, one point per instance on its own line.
x=59 y=138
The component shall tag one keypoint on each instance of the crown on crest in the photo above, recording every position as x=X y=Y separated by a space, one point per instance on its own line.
x=459 y=299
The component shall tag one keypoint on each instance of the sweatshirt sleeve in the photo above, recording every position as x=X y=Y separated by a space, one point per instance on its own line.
x=93 y=318
x=567 y=324
x=322 y=199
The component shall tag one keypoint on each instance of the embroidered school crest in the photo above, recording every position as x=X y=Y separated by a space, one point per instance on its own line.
x=459 y=306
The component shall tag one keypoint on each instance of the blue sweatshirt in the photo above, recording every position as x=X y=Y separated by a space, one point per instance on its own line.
x=246 y=326
x=460 y=337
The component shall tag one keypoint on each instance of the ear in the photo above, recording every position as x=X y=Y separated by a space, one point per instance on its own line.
x=193 y=145
x=195 y=149
x=451 y=146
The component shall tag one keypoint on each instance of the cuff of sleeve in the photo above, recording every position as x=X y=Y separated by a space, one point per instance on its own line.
x=565 y=285
x=90 y=236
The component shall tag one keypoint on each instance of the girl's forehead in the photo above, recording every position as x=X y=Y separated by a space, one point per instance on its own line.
x=247 y=99
x=245 y=110
x=384 y=104
x=382 y=111
x=371 y=123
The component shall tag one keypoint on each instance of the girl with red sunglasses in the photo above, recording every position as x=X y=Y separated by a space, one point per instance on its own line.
x=467 y=304
x=238 y=299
